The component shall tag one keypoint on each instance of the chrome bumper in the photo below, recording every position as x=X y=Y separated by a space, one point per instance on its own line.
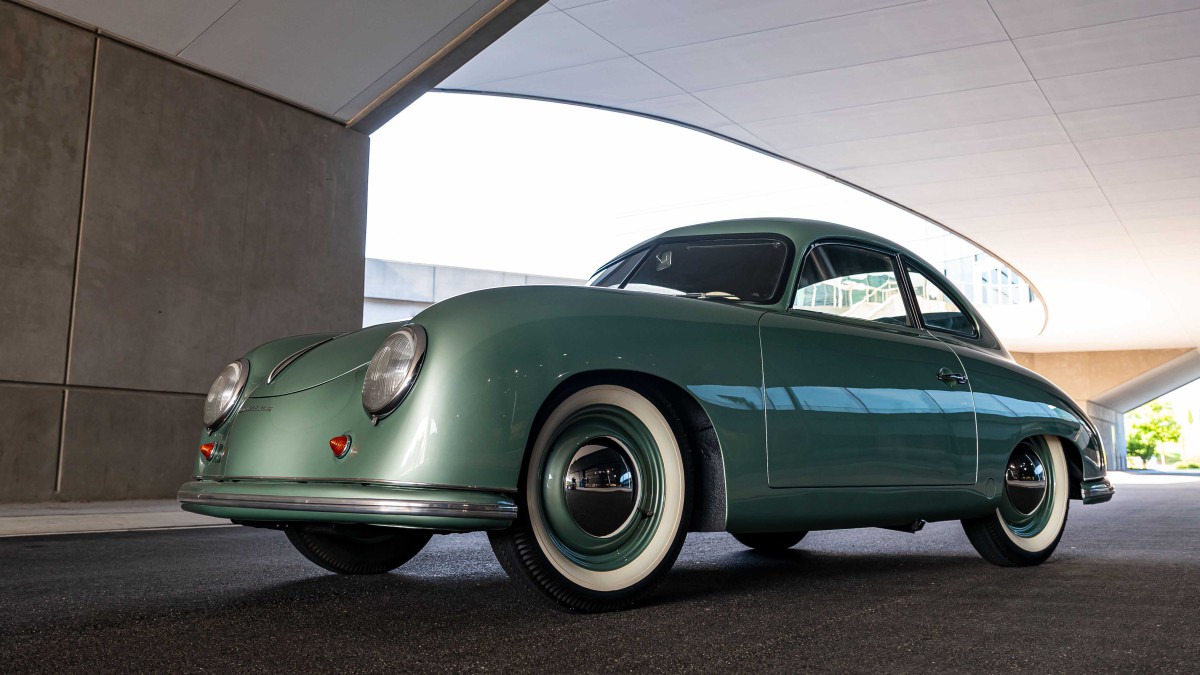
x=1097 y=491
x=441 y=509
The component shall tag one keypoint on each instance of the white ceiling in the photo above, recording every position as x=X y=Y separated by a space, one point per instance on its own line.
x=1063 y=135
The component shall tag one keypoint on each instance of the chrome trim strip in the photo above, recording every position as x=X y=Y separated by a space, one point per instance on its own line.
x=357 y=506
x=355 y=481
x=282 y=365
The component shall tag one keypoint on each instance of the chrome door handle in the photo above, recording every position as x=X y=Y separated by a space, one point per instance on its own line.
x=951 y=378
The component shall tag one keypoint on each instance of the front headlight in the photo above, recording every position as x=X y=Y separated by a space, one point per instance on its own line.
x=224 y=393
x=392 y=370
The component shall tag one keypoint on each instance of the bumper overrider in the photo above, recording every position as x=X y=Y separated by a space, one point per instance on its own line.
x=441 y=508
x=1096 y=491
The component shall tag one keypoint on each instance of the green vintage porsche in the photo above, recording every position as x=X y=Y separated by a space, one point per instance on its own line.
x=763 y=377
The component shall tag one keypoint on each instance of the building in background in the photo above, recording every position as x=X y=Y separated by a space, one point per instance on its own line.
x=394 y=291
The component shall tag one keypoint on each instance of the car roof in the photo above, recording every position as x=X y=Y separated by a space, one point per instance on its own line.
x=801 y=231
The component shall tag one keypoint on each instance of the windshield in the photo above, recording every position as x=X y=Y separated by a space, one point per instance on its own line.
x=746 y=270
x=614 y=273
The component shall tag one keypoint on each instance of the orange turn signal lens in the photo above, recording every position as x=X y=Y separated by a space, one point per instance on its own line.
x=208 y=449
x=340 y=445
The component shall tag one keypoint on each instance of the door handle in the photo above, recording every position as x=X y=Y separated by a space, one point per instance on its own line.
x=951 y=378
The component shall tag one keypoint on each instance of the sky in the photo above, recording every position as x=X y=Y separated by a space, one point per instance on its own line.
x=545 y=188
x=534 y=187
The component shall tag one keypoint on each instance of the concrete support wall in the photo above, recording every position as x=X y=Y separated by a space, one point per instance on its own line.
x=1096 y=380
x=155 y=223
x=1111 y=425
x=1088 y=375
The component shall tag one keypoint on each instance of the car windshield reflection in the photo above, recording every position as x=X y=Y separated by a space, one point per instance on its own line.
x=723 y=269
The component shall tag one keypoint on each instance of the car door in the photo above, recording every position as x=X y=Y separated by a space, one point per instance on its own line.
x=858 y=393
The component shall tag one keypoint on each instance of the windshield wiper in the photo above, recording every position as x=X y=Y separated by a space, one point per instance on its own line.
x=712 y=295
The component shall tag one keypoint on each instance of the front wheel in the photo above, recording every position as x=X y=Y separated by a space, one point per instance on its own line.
x=357 y=549
x=1027 y=527
x=604 y=501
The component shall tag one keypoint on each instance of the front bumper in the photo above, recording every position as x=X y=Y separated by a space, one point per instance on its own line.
x=1096 y=491
x=429 y=508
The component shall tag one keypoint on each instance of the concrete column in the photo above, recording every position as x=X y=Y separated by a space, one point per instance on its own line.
x=1111 y=425
x=155 y=223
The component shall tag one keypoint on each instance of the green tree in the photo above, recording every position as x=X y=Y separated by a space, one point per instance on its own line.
x=1150 y=425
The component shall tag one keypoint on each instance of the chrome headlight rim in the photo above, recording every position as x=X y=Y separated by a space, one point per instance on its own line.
x=419 y=338
x=239 y=387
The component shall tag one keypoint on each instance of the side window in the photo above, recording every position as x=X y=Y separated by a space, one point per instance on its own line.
x=852 y=282
x=938 y=309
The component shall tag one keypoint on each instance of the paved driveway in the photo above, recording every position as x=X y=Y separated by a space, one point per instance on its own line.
x=1120 y=595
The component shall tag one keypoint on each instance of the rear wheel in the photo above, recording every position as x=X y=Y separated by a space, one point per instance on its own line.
x=604 y=501
x=357 y=549
x=1027 y=527
x=769 y=541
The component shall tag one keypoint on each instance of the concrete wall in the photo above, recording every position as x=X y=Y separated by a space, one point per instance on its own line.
x=155 y=223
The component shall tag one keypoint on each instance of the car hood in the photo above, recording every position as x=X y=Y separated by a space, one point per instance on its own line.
x=462 y=314
x=326 y=361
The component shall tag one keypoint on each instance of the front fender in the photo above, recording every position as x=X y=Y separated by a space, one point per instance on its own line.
x=495 y=356
x=263 y=360
x=492 y=359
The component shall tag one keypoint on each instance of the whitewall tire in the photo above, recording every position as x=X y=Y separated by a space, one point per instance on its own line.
x=1034 y=501
x=604 y=500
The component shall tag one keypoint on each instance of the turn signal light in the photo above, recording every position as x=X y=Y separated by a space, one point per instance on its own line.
x=340 y=445
x=208 y=450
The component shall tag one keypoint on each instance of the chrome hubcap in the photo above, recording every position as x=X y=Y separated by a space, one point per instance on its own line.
x=1025 y=481
x=601 y=487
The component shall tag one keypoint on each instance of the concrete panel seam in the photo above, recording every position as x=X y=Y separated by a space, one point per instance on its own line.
x=206 y=29
x=62 y=434
x=87 y=151
x=92 y=387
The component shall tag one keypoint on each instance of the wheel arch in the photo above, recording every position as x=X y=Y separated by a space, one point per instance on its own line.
x=1074 y=455
x=709 y=497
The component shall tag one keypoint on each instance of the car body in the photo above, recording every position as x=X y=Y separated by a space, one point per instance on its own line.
x=844 y=402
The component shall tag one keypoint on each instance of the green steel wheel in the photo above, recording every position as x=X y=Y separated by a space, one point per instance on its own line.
x=604 y=503
x=769 y=541
x=1029 y=523
x=357 y=549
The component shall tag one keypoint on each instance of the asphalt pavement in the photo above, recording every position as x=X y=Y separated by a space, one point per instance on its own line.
x=1120 y=595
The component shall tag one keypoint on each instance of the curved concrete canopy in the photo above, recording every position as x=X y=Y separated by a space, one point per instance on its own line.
x=1064 y=135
